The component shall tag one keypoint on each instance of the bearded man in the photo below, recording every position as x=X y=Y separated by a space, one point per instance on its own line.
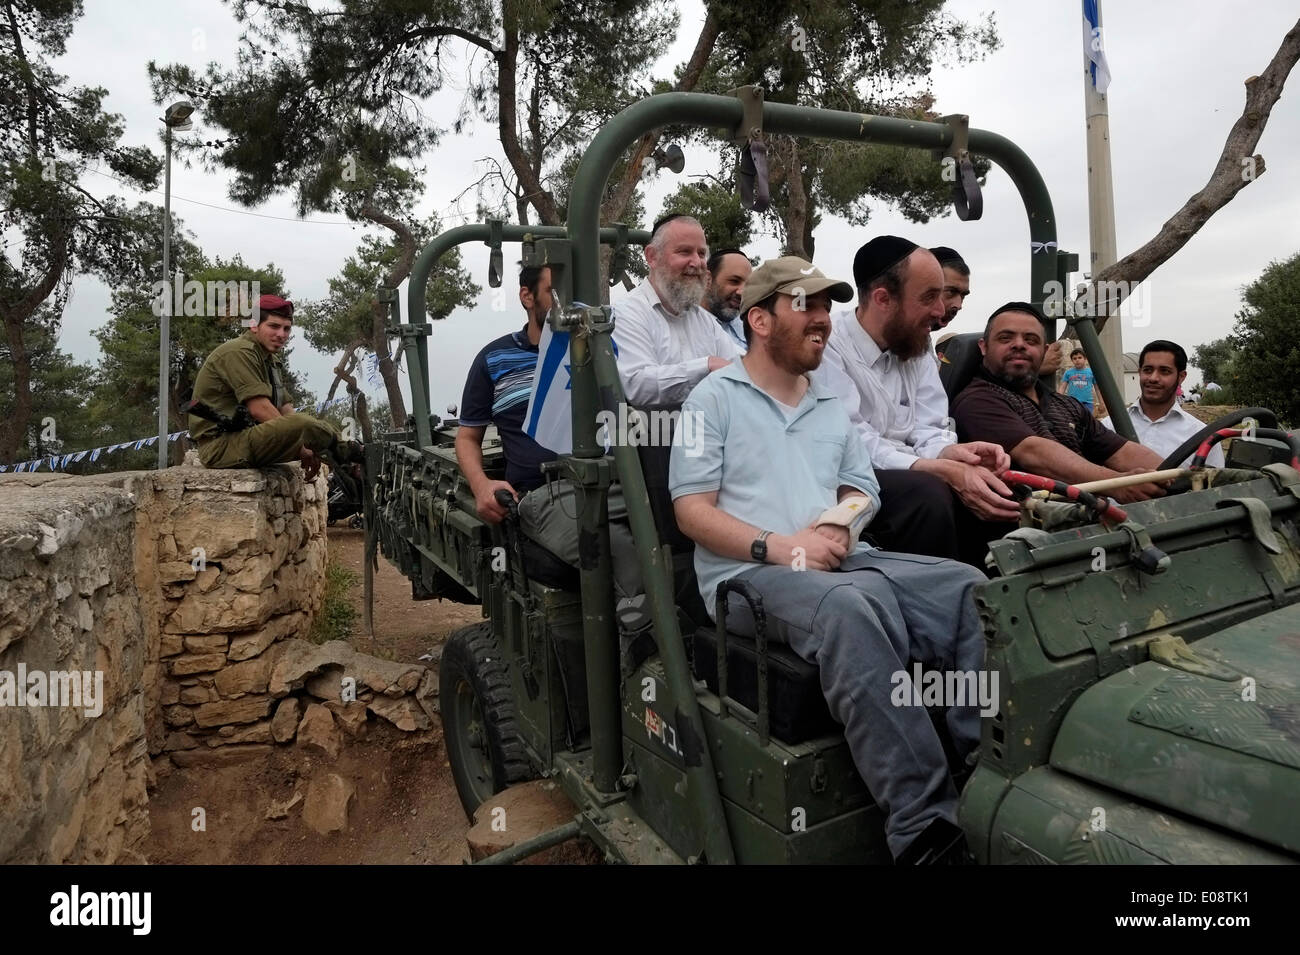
x=934 y=491
x=666 y=342
x=729 y=270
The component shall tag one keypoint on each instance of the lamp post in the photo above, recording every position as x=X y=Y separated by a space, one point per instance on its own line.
x=176 y=118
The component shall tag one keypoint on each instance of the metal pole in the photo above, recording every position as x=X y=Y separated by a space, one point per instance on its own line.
x=164 y=337
x=1101 y=220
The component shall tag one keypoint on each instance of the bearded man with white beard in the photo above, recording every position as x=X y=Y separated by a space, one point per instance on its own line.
x=666 y=342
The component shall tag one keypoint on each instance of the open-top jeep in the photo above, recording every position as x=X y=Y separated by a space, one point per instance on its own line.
x=1148 y=703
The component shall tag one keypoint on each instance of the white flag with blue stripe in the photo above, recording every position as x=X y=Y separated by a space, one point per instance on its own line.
x=548 y=420
x=1093 y=48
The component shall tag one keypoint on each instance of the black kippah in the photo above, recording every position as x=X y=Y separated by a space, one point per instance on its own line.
x=1021 y=307
x=946 y=255
x=878 y=256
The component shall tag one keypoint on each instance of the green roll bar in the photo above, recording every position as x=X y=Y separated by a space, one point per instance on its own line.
x=595 y=384
x=415 y=331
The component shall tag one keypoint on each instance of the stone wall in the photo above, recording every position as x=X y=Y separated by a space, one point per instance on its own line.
x=177 y=587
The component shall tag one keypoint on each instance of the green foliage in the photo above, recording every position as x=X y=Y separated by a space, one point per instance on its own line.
x=337 y=616
x=1267 y=336
x=717 y=206
x=346 y=316
x=60 y=387
x=50 y=134
x=862 y=57
x=1216 y=360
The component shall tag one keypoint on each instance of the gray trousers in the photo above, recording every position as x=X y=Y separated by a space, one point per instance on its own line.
x=861 y=624
x=549 y=515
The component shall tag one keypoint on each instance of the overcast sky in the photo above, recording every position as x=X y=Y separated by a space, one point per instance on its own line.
x=1177 y=68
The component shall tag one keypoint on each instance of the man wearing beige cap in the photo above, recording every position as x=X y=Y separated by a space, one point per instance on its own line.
x=777 y=494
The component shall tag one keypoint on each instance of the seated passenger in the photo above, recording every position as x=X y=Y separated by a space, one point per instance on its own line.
x=728 y=271
x=1045 y=433
x=666 y=342
x=1160 y=424
x=496 y=392
x=777 y=498
x=879 y=363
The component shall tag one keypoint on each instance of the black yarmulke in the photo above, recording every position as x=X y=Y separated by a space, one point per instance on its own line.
x=878 y=256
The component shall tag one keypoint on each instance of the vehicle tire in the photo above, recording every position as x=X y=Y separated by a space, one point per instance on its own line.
x=479 y=716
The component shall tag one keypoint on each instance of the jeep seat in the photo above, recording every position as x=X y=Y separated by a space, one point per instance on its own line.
x=959 y=359
x=797 y=708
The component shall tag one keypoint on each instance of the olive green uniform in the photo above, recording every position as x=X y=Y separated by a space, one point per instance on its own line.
x=236 y=371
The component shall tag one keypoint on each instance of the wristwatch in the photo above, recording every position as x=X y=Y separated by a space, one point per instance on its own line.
x=758 y=549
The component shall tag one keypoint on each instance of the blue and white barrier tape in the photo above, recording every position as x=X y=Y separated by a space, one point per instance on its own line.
x=58 y=462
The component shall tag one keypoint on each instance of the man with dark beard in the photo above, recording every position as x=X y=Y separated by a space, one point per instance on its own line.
x=777 y=498
x=666 y=342
x=729 y=270
x=1045 y=433
x=956 y=285
x=878 y=363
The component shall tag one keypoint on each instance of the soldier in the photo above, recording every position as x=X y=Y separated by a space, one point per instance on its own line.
x=241 y=415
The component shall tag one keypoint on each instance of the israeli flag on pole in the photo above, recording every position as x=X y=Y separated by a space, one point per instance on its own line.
x=1093 y=49
x=548 y=420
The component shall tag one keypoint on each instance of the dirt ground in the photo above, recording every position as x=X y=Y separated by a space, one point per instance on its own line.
x=406 y=808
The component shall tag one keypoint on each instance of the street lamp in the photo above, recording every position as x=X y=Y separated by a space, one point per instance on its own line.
x=176 y=118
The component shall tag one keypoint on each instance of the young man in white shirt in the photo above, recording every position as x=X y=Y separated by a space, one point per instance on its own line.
x=878 y=362
x=1160 y=423
x=666 y=342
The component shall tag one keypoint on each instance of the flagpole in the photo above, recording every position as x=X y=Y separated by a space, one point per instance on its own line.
x=1101 y=196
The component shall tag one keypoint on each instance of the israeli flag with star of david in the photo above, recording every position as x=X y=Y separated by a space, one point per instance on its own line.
x=549 y=417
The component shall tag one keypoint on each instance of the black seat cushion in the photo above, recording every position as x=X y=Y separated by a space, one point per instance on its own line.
x=959 y=358
x=796 y=706
x=544 y=567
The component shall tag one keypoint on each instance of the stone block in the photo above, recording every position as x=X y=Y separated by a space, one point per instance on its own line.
x=248 y=676
x=285 y=722
x=197 y=663
x=257 y=733
x=318 y=732
x=403 y=712
x=328 y=799
x=244 y=710
x=209 y=643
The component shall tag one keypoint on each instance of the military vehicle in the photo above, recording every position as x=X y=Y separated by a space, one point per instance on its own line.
x=1148 y=706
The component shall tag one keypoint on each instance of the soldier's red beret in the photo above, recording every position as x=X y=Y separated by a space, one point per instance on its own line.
x=274 y=305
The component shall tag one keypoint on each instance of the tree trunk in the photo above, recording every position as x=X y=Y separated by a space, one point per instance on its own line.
x=798 y=237
x=612 y=208
x=379 y=313
x=15 y=317
x=508 y=121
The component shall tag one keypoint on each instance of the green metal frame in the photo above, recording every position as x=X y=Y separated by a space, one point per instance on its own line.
x=415 y=331
x=573 y=252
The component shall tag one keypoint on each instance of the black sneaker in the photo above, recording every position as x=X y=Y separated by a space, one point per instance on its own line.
x=940 y=843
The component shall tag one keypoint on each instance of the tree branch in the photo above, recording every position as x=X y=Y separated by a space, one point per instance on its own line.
x=1235 y=170
x=508 y=121
x=613 y=207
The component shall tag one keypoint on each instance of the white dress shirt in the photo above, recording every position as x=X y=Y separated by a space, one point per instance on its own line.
x=898 y=407
x=1165 y=434
x=662 y=356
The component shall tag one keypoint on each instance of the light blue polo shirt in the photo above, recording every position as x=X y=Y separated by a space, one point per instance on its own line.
x=769 y=472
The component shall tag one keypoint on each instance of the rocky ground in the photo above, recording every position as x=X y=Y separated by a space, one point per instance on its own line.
x=386 y=797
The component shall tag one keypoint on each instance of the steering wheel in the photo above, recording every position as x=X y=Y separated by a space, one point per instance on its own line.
x=1265 y=418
